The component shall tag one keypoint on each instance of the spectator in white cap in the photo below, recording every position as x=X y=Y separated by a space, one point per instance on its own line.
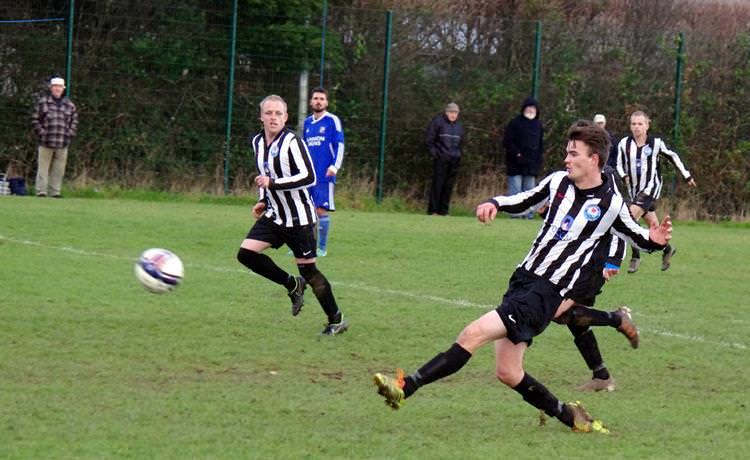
x=55 y=122
x=601 y=121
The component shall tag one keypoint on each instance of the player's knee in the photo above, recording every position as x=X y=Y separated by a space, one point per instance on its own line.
x=314 y=278
x=563 y=318
x=470 y=336
x=510 y=377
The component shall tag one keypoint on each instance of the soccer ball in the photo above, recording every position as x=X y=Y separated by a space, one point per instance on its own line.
x=159 y=270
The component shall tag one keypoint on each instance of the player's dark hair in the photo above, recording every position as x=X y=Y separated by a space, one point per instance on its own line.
x=593 y=136
x=320 y=89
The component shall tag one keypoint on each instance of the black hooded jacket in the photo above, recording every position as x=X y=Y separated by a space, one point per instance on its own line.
x=524 y=143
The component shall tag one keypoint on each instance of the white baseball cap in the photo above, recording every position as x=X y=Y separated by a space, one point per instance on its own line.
x=451 y=107
x=57 y=81
x=599 y=118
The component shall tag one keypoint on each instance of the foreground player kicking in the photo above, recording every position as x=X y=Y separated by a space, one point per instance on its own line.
x=583 y=211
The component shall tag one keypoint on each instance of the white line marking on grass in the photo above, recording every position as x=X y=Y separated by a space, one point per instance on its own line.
x=374 y=289
x=696 y=338
x=378 y=290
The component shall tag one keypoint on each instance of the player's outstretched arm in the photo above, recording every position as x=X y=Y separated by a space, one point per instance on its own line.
x=486 y=212
x=661 y=234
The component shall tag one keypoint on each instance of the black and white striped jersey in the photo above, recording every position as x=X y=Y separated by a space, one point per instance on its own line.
x=578 y=222
x=616 y=248
x=641 y=165
x=288 y=163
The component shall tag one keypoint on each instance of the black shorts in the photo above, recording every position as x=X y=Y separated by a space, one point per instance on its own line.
x=528 y=306
x=300 y=239
x=588 y=287
x=645 y=202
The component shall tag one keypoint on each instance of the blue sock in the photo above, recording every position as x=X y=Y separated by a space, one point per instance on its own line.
x=324 y=223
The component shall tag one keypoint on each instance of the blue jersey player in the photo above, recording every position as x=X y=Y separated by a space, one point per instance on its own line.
x=324 y=137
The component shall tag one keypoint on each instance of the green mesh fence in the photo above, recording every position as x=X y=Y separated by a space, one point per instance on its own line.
x=150 y=81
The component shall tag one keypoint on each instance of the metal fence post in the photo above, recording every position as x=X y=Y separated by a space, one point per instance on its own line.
x=677 y=103
x=69 y=48
x=678 y=86
x=384 y=114
x=323 y=42
x=537 y=61
x=230 y=95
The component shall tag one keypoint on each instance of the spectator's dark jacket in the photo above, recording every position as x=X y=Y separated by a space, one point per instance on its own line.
x=612 y=159
x=524 y=143
x=443 y=138
x=55 y=121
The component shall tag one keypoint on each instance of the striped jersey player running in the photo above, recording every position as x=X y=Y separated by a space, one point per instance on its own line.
x=638 y=165
x=583 y=211
x=285 y=214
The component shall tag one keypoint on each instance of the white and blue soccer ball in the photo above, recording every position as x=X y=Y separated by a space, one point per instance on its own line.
x=159 y=270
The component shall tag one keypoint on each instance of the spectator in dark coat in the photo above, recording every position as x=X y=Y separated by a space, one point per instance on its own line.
x=601 y=121
x=444 y=138
x=524 y=145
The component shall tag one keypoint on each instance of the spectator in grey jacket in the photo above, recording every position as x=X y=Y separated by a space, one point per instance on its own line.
x=444 y=139
x=55 y=122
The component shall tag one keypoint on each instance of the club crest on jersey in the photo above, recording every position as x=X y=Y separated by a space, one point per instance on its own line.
x=647 y=150
x=274 y=152
x=322 y=129
x=592 y=212
x=565 y=226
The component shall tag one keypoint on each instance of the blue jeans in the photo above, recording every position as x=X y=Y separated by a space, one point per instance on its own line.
x=518 y=184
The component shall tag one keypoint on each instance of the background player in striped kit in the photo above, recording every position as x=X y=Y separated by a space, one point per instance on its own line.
x=285 y=214
x=638 y=165
x=583 y=211
x=605 y=265
x=324 y=137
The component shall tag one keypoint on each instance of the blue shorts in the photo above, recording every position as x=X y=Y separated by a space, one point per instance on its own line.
x=322 y=195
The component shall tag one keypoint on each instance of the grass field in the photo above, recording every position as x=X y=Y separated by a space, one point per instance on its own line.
x=93 y=366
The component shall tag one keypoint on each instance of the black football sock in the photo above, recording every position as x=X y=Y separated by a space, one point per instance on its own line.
x=291 y=283
x=636 y=254
x=442 y=365
x=264 y=266
x=410 y=384
x=601 y=372
x=668 y=249
x=565 y=415
x=322 y=289
x=585 y=316
x=540 y=397
x=589 y=349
